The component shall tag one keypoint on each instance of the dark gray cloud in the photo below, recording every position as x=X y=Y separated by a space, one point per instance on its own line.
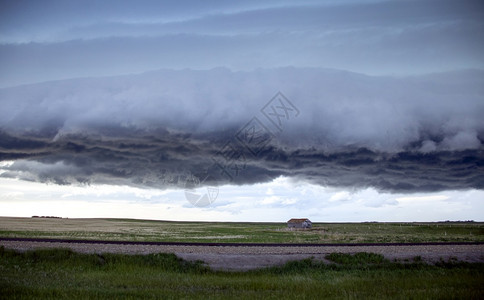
x=167 y=160
x=158 y=129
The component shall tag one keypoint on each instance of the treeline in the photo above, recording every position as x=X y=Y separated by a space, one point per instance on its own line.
x=466 y=221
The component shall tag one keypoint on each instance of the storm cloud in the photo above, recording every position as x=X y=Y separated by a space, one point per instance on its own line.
x=333 y=128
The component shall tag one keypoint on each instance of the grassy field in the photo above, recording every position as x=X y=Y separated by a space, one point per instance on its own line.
x=148 y=230
x=64 y=274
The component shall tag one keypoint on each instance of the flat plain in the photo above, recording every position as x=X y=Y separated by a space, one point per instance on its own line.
x=56 y=272
x=165 y=231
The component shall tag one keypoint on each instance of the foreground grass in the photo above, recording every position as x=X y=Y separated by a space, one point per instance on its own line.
x=62 y=273
x=148 y=230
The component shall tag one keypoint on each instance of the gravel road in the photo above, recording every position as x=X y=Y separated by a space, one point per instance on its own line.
x=240 y=258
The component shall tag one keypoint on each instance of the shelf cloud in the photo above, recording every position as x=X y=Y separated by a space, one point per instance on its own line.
x=333 y=128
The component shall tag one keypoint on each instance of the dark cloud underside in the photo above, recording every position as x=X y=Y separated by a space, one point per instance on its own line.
x=168 y=160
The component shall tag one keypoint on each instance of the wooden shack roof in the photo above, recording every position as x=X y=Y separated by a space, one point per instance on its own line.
x=297 y=221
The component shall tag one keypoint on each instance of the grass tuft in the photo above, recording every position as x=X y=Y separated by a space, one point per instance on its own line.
x=357 y=259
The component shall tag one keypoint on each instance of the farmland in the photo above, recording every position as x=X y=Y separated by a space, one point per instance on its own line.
x=163 y=231
x=63 y=273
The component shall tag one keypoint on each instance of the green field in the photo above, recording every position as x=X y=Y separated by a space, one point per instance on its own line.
x=148 y=230
x=63 y=274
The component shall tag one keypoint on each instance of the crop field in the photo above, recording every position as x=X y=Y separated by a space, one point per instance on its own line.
x=63 y=274
x=162 y=231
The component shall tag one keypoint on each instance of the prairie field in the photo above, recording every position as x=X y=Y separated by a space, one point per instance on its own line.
x=65 y=274
x=164 y=231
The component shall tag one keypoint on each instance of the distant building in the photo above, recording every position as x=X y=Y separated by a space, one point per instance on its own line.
x=299 y=223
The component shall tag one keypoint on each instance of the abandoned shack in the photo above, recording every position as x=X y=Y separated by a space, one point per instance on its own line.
x=299 y=223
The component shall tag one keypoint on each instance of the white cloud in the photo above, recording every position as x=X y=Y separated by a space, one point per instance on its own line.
x=340 y=196
x=236 y=203
x=422 y=199
x=270 y=200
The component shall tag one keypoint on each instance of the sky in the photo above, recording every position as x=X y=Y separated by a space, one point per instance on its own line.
x=336 y=111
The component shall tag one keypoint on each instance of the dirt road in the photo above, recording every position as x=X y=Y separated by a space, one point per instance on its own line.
x=240 y=258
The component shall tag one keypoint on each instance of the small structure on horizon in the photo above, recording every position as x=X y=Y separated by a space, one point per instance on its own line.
x=299 y=223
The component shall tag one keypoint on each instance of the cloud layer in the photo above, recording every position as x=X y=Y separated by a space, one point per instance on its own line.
x=332 y=128
x=56 y=40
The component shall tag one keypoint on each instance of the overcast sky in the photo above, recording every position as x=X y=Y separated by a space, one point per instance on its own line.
x=243 y=111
